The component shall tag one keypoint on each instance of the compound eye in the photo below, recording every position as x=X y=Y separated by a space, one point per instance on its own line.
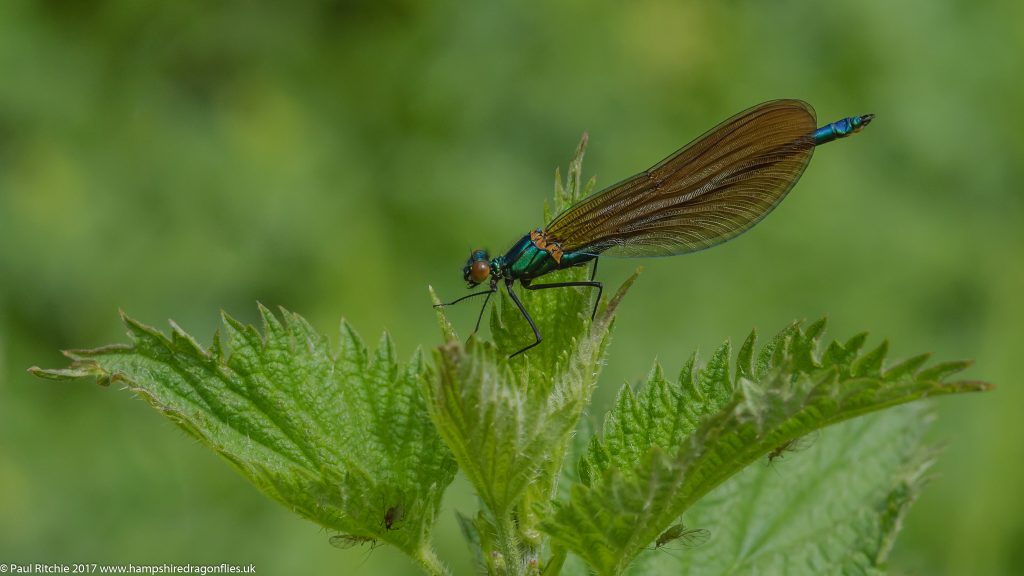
x=479 y=271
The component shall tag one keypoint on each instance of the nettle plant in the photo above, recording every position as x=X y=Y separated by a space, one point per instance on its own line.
x=365 y=446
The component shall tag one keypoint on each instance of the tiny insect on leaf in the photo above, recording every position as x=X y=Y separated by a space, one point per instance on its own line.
x=393 y=516
x=346 y=541
x=680 y=534
x=795 y=445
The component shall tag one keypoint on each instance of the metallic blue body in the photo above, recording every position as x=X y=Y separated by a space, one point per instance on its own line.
x=841 y=129
x=524 y=261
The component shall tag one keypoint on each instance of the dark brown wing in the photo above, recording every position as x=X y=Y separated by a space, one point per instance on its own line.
x=710 y=191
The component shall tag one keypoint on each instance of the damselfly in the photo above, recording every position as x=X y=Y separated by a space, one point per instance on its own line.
x=710 y=191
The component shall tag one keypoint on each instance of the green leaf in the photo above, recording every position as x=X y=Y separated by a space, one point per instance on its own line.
x=833 y=508
x=570 y=192
x=510 y=422
x=340 y=437
x=640 y=483
x=665 y=415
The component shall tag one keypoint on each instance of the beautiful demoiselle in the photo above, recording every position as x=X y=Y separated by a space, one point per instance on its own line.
x=710 y=191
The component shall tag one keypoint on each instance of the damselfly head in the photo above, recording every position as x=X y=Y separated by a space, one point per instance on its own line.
x=478 y=268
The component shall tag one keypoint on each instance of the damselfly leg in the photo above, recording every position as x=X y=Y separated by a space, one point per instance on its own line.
x=600 y=289
x=489 y=293
x=536 y=333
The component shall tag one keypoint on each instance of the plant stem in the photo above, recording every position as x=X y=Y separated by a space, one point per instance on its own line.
x=508 y=544
x=428 y=560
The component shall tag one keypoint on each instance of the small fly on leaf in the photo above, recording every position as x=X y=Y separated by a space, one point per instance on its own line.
x=795 y=445
x=393 y=516
x=680 y=534
x=346 y=541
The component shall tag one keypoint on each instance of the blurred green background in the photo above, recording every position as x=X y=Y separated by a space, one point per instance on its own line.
x=173 y=159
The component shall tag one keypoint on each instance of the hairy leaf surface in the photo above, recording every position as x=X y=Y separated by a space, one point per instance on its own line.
x=338 y=435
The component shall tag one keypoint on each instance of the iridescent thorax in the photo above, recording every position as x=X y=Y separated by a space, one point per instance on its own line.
x=532 y=257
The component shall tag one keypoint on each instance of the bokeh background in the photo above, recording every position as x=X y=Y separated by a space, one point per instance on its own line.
x=173 y=159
